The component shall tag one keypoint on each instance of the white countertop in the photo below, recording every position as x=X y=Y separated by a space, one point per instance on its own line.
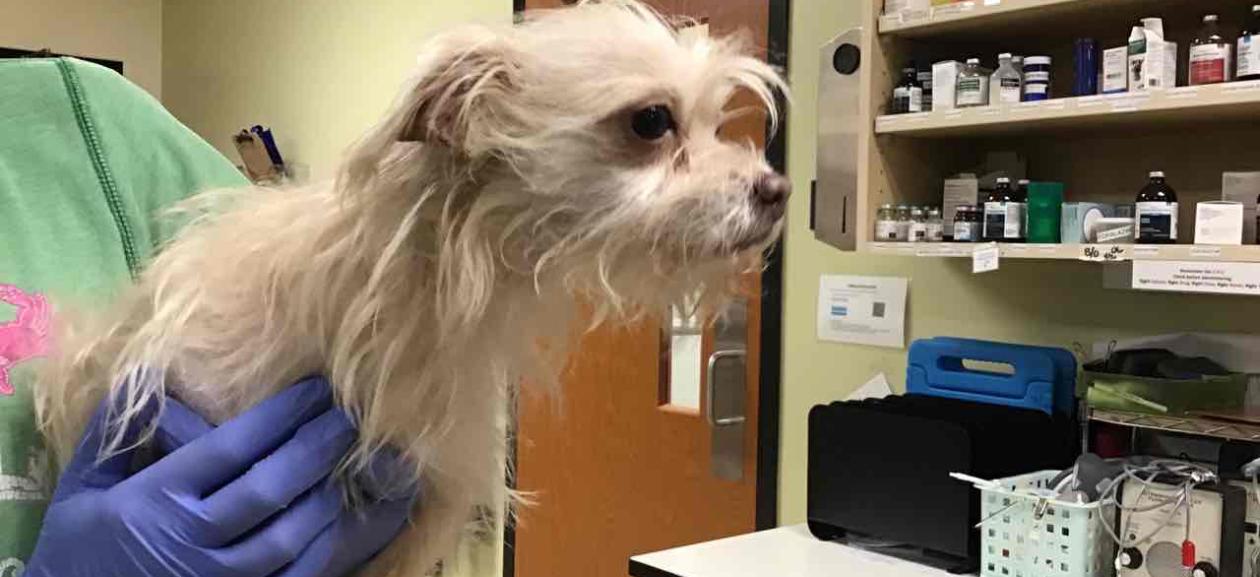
x=783 y=552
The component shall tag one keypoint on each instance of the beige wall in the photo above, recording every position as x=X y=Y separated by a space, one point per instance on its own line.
x=1052 y=303
x=126 y=30
x=318 y=72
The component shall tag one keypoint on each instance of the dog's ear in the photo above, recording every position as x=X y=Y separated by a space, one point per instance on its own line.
x=462 y=76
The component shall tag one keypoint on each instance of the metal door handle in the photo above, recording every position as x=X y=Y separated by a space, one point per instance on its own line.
x=711 y=374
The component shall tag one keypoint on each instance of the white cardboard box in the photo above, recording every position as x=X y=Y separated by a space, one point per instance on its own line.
x=1156 y=69
x=944 y=83
x=1243 y=188
x=1218 y=222
x=1115 y=70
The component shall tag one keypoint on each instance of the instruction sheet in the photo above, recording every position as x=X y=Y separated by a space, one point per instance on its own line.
x=864 y=310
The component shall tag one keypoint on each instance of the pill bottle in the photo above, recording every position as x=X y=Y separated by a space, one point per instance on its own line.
x=903 y=222
x=935 y=225
x=1036 y=78
x=886 y=224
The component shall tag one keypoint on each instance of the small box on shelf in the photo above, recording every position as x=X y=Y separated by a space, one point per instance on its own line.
x=1218 y=222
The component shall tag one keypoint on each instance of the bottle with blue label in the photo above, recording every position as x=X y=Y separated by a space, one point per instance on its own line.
x=1249 y=49
x=1156 y=212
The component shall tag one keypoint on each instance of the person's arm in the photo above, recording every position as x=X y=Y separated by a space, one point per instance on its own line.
x=250 y=498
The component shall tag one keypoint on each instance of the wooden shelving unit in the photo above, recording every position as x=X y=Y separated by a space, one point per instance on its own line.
x=1100 y=146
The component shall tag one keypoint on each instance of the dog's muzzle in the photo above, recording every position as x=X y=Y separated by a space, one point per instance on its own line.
x=770 y=193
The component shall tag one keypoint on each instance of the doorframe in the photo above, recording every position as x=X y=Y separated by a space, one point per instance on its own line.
x=769 y=398
x=769 y=403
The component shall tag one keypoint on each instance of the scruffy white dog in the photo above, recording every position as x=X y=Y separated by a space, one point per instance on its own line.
x=573 y=157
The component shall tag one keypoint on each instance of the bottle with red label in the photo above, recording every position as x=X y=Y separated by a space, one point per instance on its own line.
x=1211 y=56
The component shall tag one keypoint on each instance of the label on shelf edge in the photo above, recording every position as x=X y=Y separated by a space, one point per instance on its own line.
x=985 y=258
x=1144 y=250
x=1205 y=251
x=1183 y=92
x=1245 y=86
x=1239 y=278
x=1049 y=249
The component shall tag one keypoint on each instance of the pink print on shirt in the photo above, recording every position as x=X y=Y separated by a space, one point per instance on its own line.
x=25 y=337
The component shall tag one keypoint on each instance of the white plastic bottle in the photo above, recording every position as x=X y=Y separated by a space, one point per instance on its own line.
x=1006 y=85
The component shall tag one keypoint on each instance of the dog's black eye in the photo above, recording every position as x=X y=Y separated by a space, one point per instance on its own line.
x=652 y=122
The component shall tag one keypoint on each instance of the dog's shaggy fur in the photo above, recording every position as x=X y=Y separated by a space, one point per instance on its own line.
x=446 y=263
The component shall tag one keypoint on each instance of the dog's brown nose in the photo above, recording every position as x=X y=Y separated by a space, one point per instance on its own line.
x=771 y=189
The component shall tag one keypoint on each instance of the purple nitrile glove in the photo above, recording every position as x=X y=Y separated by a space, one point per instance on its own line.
x=250 y=498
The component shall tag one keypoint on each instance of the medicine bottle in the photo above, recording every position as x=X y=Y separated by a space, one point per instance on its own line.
x=903 y=222
x=1037 y=78
x=1249 y=48
x=1006 y=85
x=1211 y=57
x=1156 y=212
x=1004 y=214
x=886 y=224
x=935 y=225
x=966 y=222
x=908 y=95
x=972 y=87
x=918 y=225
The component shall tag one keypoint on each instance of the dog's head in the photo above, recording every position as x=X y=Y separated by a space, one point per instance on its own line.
x=589 y=145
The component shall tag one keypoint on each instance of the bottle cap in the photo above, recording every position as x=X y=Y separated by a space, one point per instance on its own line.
x=1003 y=180
x=1157 y=174
x=1209 y=18
x=1004 y=56
x=1037 y=61
x=973 y=61
x=1024 y=181
x=889 y=206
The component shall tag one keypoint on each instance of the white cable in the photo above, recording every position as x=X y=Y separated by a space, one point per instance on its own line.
x=1189 y=475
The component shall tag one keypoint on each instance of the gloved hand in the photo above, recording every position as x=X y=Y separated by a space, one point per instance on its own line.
x=250 y=498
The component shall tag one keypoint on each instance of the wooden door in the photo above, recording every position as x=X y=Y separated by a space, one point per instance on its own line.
x=614 y=467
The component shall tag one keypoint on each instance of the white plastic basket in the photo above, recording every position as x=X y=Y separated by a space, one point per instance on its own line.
x=1026 y=535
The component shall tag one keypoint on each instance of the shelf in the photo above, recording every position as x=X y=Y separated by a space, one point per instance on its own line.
x=1182 y=105
x=1083 y=252
x=1025 y=19
x=965 y=16
x=1184 y=425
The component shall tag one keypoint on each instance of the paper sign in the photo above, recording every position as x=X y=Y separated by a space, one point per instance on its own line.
x=1235 y=278
x=876 y=388
x=985 y=258
x=862 y=310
